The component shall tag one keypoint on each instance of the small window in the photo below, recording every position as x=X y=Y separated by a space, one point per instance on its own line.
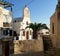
x=10 y=32
x=27 y=23
x=53 y=28
x=58 y=14
x=5 y=32
x=47 y=32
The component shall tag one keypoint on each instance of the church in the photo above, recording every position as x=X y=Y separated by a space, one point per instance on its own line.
x=21 y=32
x=17 y=27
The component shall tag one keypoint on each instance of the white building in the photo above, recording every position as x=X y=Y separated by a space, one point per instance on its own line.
x=5 y=20
x=20 y=24
x=43 y=32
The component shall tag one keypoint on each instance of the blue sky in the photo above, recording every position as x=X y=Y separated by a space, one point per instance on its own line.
x=40 y=10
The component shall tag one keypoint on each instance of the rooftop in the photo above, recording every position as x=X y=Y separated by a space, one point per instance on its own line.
x=5 y=3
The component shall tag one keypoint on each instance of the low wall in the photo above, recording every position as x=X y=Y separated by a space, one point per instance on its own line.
x=22 y=47
x=28 y=46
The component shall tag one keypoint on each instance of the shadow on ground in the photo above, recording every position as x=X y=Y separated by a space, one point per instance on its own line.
x=36 y=54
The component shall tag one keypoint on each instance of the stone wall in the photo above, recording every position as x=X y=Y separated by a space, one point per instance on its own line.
x=28 y=46
x=55 y=27
x=21 y=47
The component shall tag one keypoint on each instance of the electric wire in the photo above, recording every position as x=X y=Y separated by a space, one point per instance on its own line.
x=14 y=11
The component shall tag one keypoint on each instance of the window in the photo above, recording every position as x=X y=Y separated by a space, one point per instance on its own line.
x=47 y=32
x=27 y=23
x=53 y=28
x=6 y=24
x=59 y=15
x=10 y=32
x=5 y=32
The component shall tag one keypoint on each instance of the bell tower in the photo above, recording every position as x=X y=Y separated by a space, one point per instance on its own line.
x=26 y=12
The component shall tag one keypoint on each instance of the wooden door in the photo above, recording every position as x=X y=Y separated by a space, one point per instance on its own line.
x=5 y=48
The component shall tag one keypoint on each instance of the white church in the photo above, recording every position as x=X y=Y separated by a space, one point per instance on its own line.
x=20 y=24
x=16 y=27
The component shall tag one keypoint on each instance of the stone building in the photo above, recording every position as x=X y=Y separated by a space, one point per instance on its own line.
x=20 y=24
x=55 y=26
